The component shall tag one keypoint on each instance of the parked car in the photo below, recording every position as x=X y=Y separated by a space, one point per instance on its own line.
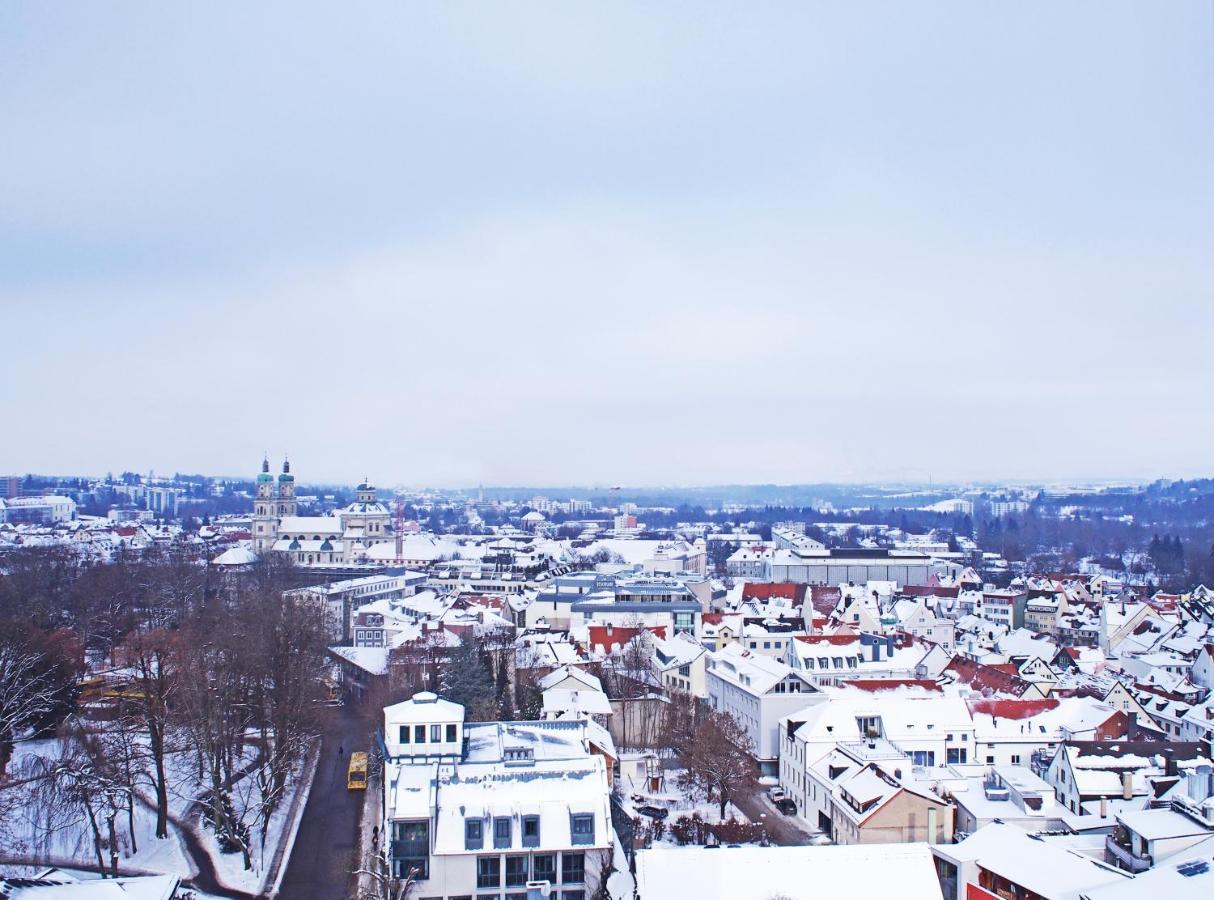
x=776 y=794
x=654 y=812
x=786 y=806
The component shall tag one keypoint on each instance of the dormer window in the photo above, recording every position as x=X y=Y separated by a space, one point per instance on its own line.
x=531 y=831
x=581 y=829
x=501 y=832
x=474 y=834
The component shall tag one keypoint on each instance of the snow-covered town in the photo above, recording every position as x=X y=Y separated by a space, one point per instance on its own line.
x=532 y=450
x=462 y=694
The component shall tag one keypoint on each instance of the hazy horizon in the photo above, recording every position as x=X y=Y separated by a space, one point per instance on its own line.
x=693 y=245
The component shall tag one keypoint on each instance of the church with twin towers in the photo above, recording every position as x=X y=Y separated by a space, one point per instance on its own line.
x=352 y=534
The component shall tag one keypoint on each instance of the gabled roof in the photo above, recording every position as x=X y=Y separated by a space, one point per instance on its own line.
x=985 y=678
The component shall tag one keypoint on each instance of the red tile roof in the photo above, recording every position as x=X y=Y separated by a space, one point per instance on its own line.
x=928 y=590
x=823 y=597
x=837 y=640
x=985 y=678
x=889 y=684
x=766 y=590
x=619 y=635
x=1011 y=709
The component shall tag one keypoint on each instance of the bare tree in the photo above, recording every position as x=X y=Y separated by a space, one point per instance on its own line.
x=81 y=778
x=717 y=764
x=154 y=657
x=127 y=758
x=33 y=684
x=376 y=880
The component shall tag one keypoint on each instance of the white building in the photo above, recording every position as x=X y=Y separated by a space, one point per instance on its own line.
x=342 y=598
x=757 y=691
x=475 y=809
x=45 y=510
x=315 y=540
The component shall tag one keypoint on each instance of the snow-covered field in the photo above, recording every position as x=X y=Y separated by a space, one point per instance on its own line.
x=679 y=802
x=60 y=835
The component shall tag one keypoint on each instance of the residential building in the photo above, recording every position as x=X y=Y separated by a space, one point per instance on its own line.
x=757 y=691
x=475 y=809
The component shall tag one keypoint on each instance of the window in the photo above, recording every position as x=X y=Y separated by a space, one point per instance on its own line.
x=573 y=895
x=582 y=829
x=404 y=734
x=516 y=871
x=956 y=755
x=531 y=831
x=543 y=867
x=419 y=734
x=474 y=834
x=573 y=868
x=436 y=734
x=488 y=871
x=501 y=832
x=411 y=849
x=1015 y=760
x=450 y=734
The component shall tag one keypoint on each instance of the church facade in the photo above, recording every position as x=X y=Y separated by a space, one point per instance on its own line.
x=337 y=539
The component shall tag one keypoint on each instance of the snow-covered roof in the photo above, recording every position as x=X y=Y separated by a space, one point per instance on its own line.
x=235 y=556
x=1047 y=869
x=56 y=884
x=373 y=660
x=752 y=672
x=1187 y=875
x=423 y=706
x=552 y=679
x=559 y=778
x=858 y=872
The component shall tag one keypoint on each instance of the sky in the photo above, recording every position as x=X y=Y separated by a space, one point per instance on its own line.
x=609 y=243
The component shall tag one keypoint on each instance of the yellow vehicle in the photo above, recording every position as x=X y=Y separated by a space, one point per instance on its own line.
x=356 y=776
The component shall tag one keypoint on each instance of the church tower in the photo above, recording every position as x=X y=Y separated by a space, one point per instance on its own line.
x=286 y=491
x=265 y=514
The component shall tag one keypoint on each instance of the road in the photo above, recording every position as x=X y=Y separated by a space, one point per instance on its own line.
x=781 y=829
x=323 y=857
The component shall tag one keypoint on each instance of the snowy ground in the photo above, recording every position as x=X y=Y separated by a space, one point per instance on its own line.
x=34 y=831
x=230 y=866
x=38 y=832
x=679 y=802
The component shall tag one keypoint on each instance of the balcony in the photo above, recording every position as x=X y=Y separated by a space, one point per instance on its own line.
x=1120 y=853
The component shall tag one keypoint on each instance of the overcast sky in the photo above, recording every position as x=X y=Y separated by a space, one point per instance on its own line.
x=694 y=243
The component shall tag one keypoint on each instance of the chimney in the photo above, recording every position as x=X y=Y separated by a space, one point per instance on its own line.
x=1104 y=807
x=1127 y=785
x=1201 y=780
